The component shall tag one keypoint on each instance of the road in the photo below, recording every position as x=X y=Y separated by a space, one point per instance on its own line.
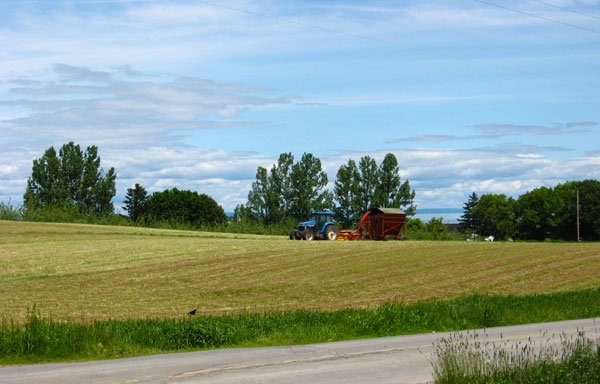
x=403 y=359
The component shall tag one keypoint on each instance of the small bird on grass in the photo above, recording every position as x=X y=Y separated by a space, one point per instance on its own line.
x=192 y=312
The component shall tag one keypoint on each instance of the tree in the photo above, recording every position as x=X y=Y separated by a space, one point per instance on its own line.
x=467 y=218
x=134 y=201
x=308 y=180
x=263 y=201
x=72 y=179
x=368 y=182
x=346 y=191
x=389 y=191
x=183 y=207
x=536 y=214
x=494 y=215
x=589 y=209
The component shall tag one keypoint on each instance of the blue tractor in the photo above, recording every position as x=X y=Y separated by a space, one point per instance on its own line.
x=321 y=225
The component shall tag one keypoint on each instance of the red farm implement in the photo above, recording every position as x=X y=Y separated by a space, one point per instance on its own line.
x=378 y=224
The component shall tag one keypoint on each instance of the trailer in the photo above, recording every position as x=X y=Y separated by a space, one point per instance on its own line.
x=378 y=224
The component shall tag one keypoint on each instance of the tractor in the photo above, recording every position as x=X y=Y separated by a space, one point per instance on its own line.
x=321 y=225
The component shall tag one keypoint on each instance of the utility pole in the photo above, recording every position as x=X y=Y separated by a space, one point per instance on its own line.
x=578 y=238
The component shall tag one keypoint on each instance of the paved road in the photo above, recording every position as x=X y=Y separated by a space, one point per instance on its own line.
x=404 y=359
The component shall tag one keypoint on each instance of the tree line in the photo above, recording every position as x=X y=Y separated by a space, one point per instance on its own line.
x=543 y=213
x=71 y=183
x=292 y=189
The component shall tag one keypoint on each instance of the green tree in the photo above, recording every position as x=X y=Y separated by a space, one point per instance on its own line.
x=389 y=190
x=467 y=218
x=176 y=206
x=135 y=201
x=494 y=215
x=589 y=209
x=72 y=179
x=536 y=214
x=308 y=181
x=346 y=191
x=264 y=201
x=367 y=167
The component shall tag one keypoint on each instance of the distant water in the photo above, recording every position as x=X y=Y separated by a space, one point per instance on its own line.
x=449 y=215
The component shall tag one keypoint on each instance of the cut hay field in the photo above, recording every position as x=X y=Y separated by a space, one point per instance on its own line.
x=95 y=272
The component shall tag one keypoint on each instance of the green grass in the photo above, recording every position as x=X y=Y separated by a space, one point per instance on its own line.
x=465 y=359
x=41 y=338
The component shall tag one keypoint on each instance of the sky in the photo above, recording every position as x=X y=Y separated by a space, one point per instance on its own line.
x=470 y=96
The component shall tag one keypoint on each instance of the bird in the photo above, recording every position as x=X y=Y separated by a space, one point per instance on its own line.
x=192 y=312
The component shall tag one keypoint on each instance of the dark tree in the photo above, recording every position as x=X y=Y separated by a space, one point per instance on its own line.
x=72 y=179
x=185 y=207
x=134 y=201
x=467 y=218
x=589 y=209
x=536 y=214
x=494 y=215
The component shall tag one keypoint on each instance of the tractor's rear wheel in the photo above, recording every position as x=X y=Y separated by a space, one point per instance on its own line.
x=331 y=232
x=308 y=235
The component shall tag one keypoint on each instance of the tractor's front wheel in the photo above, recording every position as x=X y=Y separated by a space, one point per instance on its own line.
x=331 y=232
x=308 y=235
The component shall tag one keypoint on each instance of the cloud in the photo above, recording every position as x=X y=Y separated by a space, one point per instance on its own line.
x=496 y=130
x=109 y=107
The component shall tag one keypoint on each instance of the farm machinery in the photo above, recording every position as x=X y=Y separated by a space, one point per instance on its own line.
x=376 y=224
x=320 y=225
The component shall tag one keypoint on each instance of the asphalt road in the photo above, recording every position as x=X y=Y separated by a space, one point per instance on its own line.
x=403 y=359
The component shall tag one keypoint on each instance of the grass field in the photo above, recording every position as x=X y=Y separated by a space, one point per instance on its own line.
x=97 y=272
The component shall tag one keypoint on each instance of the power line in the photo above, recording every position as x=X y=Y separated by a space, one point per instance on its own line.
x=285 y=20
x=567 y=9
x=538 y=16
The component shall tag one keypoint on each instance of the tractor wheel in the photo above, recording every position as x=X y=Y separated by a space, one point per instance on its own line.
x=308 y=235
x=331 y=232
x=293 y=235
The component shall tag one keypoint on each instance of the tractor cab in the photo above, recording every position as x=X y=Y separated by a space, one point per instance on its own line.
x=320 y=225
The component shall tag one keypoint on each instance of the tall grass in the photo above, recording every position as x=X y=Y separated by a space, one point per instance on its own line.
x=45 y=339
x=8 y=211
x=466 y=359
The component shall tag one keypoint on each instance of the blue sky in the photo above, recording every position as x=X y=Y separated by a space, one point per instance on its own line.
x=486 y=96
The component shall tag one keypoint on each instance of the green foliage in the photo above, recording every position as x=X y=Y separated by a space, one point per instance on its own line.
x=540 y=214
x=135 y=201
x=288 y=190
x=389 y=191
x=434 y=229
x=10 y=212
x=494 y=215
x=71 y=179
x=44 y=339
x=346 y=191
x=174 y=206
x=368 y=183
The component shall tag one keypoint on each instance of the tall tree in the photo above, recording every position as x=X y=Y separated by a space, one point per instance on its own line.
x=135 y=200
x=589 y=209
x=263 y=201
x=367 y=167
x=467 y=218
x=346 y=192
x=308 y=181
x=73 y=178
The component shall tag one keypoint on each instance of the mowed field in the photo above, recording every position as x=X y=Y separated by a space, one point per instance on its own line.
x=93 y=272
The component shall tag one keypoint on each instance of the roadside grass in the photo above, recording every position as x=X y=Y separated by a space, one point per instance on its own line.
x=89 y=272
x=41 y=338
x=466 y=359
